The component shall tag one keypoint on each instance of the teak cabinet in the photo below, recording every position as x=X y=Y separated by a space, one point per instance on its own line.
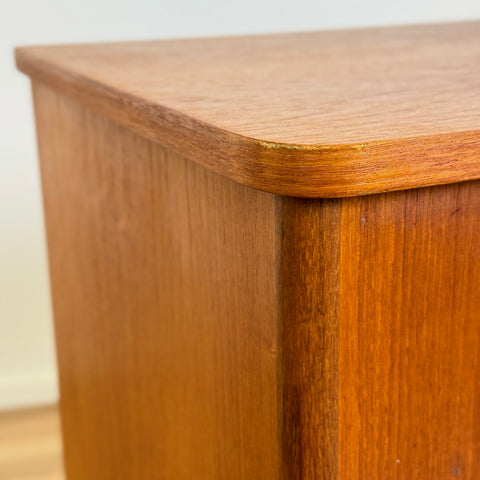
x=265 y=253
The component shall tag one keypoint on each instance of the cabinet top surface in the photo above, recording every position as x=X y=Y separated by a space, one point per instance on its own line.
x=310 y=114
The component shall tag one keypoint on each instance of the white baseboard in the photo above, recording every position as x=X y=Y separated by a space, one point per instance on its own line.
x=28 y=390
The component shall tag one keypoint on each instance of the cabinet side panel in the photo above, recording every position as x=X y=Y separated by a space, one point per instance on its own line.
x=309 y=247
x=409 y=378
x=163 y=280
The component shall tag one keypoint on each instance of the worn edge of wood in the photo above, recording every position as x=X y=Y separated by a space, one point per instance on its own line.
x=327 y=171
x=308 y=305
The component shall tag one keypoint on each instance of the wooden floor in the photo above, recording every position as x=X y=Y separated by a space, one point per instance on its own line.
x=30 y=445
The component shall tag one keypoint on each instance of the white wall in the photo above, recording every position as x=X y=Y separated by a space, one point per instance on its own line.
x=27 y=367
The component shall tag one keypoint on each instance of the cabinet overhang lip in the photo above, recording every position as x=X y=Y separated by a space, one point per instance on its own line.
x=291 y=169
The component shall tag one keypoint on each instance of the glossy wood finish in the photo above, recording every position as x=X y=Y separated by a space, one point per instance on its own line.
x=326 y=114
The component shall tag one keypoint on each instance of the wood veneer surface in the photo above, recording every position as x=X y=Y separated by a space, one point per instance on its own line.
x=208 y=330
x=163 y=280
x=380 y=335
x=308 y=313
x=409 y=335
x=325 y=114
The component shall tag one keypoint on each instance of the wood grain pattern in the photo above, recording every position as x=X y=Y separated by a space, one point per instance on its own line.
x=164 y=297
x=327 y=114
x=207 y=330
x=308 y=280
x=30 y=444
x=380 y=335
x=409 y=336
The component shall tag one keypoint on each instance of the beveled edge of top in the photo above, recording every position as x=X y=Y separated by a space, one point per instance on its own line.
x=316 y=171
